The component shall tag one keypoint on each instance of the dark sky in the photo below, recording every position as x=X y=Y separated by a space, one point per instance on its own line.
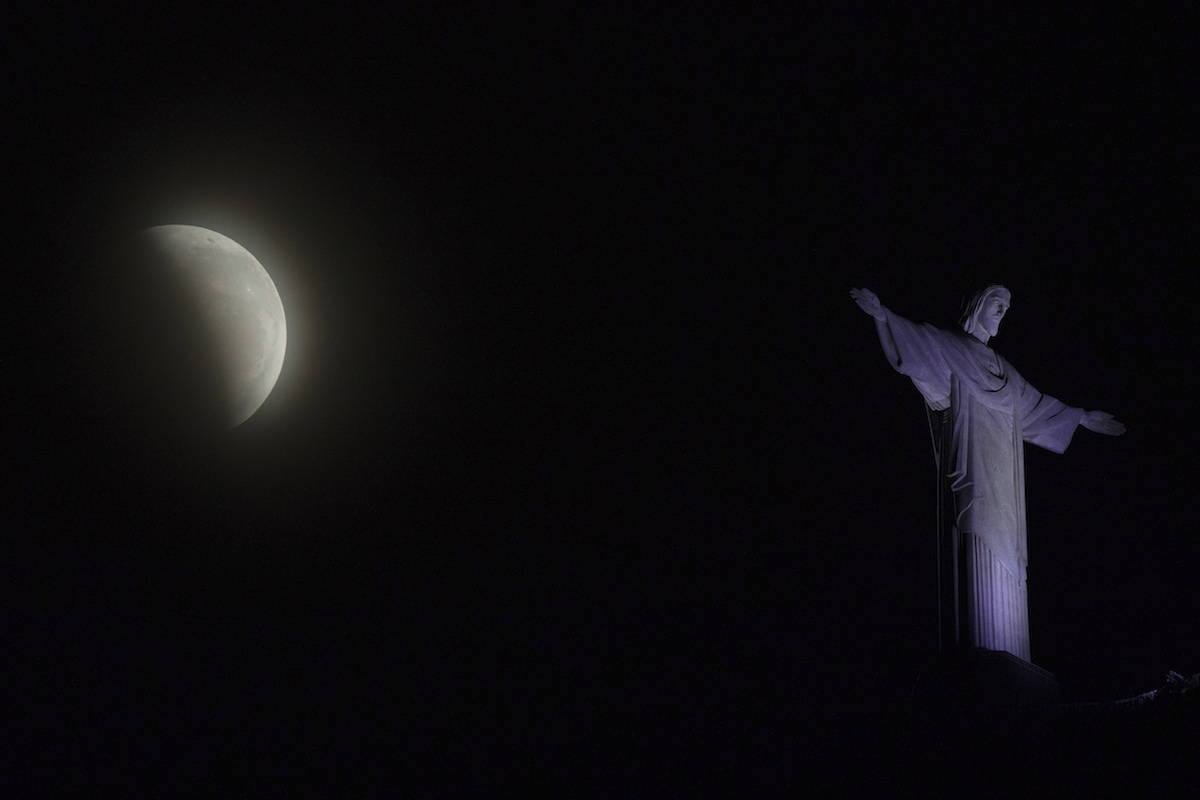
x=582 y=462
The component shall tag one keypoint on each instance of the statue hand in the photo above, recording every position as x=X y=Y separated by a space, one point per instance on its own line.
x=1102 y=422
x=868 y=301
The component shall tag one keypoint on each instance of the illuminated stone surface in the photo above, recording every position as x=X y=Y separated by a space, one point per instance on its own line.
x=990 y=413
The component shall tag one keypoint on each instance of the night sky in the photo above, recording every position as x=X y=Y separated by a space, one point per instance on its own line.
x=582 y=465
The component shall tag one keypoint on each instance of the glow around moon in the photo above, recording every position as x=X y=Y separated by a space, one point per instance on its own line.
x=238 y=306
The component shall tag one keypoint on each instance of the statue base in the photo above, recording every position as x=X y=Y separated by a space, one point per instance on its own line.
x=992 y=683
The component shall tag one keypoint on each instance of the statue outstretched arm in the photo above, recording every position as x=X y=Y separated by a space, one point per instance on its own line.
x=1102 y=422
x=868 y=301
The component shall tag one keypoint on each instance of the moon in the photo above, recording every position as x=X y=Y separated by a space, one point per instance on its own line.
x=235 y=307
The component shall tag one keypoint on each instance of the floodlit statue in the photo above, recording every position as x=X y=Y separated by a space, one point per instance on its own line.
x=983 y=412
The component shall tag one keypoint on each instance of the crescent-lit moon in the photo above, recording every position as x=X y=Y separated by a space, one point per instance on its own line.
x=238 y=306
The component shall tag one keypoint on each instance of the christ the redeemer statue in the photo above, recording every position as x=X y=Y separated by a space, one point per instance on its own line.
x=990 y=412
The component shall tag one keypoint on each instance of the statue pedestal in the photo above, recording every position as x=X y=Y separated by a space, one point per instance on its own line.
x=992 y=683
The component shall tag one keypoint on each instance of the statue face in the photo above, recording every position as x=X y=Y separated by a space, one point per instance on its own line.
x=993 y=311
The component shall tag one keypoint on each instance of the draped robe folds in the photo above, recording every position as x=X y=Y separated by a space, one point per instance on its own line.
x=994 y=411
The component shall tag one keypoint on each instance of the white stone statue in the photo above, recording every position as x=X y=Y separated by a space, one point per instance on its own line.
x=992 y=412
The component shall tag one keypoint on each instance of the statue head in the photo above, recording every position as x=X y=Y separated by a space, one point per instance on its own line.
x=981 y=318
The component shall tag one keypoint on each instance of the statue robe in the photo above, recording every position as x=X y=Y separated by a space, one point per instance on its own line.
x=994 y=412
